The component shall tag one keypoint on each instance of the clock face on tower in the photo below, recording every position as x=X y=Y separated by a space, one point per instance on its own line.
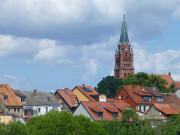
x=126 y=49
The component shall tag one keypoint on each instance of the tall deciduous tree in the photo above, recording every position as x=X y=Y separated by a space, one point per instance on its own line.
x=144 y=79
x=108 y=85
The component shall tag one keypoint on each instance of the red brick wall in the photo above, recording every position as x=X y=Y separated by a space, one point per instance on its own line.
x=123 y=62
x=123 y=93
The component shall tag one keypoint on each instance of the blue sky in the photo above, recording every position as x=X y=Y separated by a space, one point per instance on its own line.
x=53 y=44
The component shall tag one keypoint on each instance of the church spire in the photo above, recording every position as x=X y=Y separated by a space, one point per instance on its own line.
x=124 y=33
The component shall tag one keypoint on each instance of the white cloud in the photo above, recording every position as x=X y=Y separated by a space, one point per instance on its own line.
x=89 y=60
x=15 y=82
x=65 y=19
x=157 y=63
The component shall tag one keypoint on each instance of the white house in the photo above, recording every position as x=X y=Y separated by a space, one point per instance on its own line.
x=37 y=103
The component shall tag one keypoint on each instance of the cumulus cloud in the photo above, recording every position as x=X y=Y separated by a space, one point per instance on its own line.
x=81 y=21
x=157 y=63
x=89 y=60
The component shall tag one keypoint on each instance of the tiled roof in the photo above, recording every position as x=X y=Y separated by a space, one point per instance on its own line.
x=18 y=93
x=68 y=96
x=13 y=100
x=88 y=91
x=135 y=92
x=40 y=98
x=172 y=100
x=177 y=84
x=165 y=108
x=167 y=77
x=107 y=108
x=154 y=91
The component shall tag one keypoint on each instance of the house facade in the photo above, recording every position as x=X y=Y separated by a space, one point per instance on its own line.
x=85 y=93
x=137 y=96
x=67 y=99
x=38 y=103
x=97 y=111
x=9 y=102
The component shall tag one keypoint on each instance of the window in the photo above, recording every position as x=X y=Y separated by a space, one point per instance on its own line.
x=142 y=99
x=114 y=114
x=23 y=100
x=144 y=108
x=59 y=100
x=127 y=97
x=18 y=109
x=14 y=109
x=99 y=114
x=9 y=109
x=147 y=99
x=150 y=99
x=39 y=110
x=6 y=97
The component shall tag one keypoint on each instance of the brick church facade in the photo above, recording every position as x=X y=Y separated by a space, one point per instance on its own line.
x=124 y=55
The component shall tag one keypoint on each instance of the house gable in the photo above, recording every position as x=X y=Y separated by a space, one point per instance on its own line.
x=81 y=96
x=82 y=110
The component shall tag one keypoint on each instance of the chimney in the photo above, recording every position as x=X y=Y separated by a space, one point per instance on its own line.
x=66 y=89
x=83 y=85
x=35 y=92
x=169 y=73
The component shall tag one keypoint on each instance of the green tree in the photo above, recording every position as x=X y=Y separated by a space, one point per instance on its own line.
x=137 y=79
x=108 y=85
x=129 y=114
x=144 y=79
x=63 y=123
x=157 y=81
x=17 y=128
x=3 y=129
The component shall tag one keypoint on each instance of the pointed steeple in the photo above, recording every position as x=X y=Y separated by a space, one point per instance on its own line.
x=124 y=33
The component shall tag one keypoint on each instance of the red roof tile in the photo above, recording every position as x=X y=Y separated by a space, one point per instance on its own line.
x=177 y=84
x=88 y=94
x=135 y=92
x=13 y=100
x=68 y=96
x=165 y=108
x=173 y=100
x=107 y=108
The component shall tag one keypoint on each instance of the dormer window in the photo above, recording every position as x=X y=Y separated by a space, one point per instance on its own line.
x=75 y=103
x=99 y=114
x=114 y=114
x=5 y=97
x=60 y=101
x=23 y=100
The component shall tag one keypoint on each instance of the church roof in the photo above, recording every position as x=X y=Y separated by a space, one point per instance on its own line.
x=124 y=33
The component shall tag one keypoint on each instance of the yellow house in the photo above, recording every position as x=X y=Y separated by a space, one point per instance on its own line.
x=86 y=93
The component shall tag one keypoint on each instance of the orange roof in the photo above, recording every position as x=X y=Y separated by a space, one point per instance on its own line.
x=165 y=108
x=177 y=84
x=167 y=77
x=173 y=100
x=135 y=92
x=107 y=108
x=68 y=96
x=12 y=99
x=90 y=92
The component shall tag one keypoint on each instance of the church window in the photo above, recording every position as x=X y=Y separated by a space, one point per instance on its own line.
x=126 y=54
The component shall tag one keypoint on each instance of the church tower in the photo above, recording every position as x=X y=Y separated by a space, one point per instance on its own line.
x=124 y=55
